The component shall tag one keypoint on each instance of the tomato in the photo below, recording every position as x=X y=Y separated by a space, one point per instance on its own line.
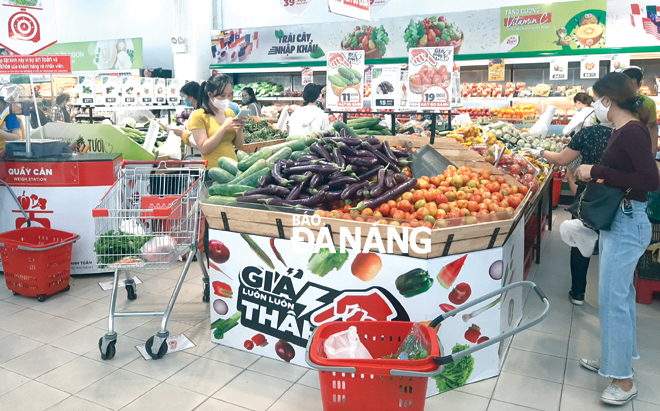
x=523 y=190
x=346 y=209
x=428 y=225
x=423 y=212
x=346 y=217
x=430 y=195
x=493 y=187
x=441 y=198
x=435 y=181
x=483 y=207
x=442 y=214
x=421 y=184
x=532 y=185
x=420 y=204
x=454 y=214
x=406 y=225
x=433 y=210
x=492 y=178
x=498 y=195
x=462 y=203
x=487 y=201
x=417 y=196
x=472 y=206
x=425 y=178
x=476 y=198
x=493 y=207
x=391 y=203
x=378 y=214
x=485 y=174
x=528 y=177
x=444 y=207
x=501 y=180
x=404 y=205
x=461 y=195
x=359 y=219
x=515 y=169
x=451 y=196
x=399 y=215
x=371 y=220
x=452 y=205
x=514 y=189
x=482 y=212
x=384 y=209
x=464 y=212
x=408 y=196
x=486 y=195
x=440 y=178
x=415 y=223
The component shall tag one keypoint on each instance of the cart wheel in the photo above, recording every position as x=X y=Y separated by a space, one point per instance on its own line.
x=110 y=350
x=68 y=287
x=206 y=297
x=130 y=291
x=161 y=352
x=15 y=293
x=41 y=298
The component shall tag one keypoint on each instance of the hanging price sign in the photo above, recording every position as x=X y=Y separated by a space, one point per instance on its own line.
x=295 y=7
x=429 y=81
x=345 y=79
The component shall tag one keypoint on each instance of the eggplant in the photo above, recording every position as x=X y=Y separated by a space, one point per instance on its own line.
x=276 y=173
x=306 y=202
x=384 y=160
x=342 y=181
x=360 y=169
x=338 y=158
x=307 y=157
x=295 y=193
x=329 y=141
x=342 y=133
x=255 y=198
x=320 y=151
x=264 y=180
x=389 y=179
x=400 y=153
x=390 y=194
x=350 y=192
x=400 y=177
x=322 y=169
x=387 y=150
x=299 y=178
x=380 y=184
x=404 y=163
x=365 y=153
x=269 y=189
x=346 y=149
x=323 y=187
x=378 y=147
x=371 y=140
x=333 y=196
x=316 y=180
x=370 y=173
x=304 y=196
x=351 y=141
x=310 y=190
x=362 y=161
x=349 y=171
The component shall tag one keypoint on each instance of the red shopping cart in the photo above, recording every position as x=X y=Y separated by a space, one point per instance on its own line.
x=391 y=384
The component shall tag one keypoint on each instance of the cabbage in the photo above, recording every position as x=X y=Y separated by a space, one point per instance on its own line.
x=129 y=121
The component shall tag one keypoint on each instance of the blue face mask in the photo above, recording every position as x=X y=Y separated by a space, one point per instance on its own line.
x=186 y=103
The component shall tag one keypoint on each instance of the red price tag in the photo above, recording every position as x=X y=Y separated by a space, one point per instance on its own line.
x=350 y=97
x=435 y=97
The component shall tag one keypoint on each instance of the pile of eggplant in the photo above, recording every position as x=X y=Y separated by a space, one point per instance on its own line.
x=337 y=169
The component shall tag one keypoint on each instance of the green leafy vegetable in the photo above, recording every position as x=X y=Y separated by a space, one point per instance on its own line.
x=414 y=32
x=317 y=54
x=258 y=131
x=380 y=38
x=114 y=245
x=456 y=373
x=324 y=261
x=222 y=325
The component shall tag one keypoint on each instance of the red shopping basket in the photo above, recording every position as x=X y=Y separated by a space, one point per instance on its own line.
x=37 y=260
x=392 y=384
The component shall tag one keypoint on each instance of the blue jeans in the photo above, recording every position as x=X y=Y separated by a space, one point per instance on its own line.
x=620 y=249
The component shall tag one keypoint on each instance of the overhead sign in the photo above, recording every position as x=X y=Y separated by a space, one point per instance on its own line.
x=559 y=69
x=357 y=9
x=496 y=70
x=118 y=54
x=35 y=64
x=27 y=26
x=345 y=79
x=385 y=87
x=589 y=67
x=295 y=7
x=429 y=82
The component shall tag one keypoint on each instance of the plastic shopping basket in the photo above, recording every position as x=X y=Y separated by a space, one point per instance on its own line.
x=37 y=260
x=384 y=385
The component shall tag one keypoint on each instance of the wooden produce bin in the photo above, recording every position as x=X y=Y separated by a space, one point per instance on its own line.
x=252 y=147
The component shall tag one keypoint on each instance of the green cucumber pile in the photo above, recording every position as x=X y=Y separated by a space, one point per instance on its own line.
x=367 y=126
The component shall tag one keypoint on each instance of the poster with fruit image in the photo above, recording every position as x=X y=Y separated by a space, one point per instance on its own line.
x=559 y=69
x=589 y=67
x=268 y=296
x=429 y=81
x=386 y=89
x=345 y=79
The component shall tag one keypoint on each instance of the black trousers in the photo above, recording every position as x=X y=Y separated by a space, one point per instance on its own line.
x=579 y=264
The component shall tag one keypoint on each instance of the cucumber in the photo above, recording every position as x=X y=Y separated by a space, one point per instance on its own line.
x=220 y=175
x=356 y=81
x=385 y=132
x=259 y=165
x=345 y=73
x=228 y=164
x=240 y=154
x=340 y=125
x=378 y=127
x=228 y=190
x=294 y=145
x=282 y=154
x=297 y=154
x=252 y=179
x=363 y=131
x=366 y=122
x=309 y=140
x=220 y=200
x=338 y=81
x=249 y=161
x=356 y=74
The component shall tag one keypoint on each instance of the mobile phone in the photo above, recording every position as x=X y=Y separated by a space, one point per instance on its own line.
x=243 y=114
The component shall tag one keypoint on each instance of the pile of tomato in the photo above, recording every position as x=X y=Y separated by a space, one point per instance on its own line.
x=457 y=193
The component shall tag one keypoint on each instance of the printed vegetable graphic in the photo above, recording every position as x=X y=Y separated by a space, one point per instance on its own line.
x=220 y=307
x=221 y=326
x=366 y=266
x=248 y=344
x=468 y=317
x=324 y=261
x=260 y=340
x=496 y=270
x=447 y=307
x=215 y=267
x=258 y=251
x=222 y=289
x=482 y=339
x=448 y=274
x=456 y=373
x=413 y=283
x=317 y=54
x=25 y=201
x=284 y=350
x=473 y=333
x=218 y=252
x=277 y=253
x=460 y=293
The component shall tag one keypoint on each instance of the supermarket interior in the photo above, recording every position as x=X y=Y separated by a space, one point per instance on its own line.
x=261 y=194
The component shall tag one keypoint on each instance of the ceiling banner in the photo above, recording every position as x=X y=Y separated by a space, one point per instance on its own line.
x=357 y=9
x=295 y=7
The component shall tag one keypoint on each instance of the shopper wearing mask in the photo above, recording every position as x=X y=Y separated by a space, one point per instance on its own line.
x=587 y=146
x=308 y=118
x=11 y=127
x=214 y=127
x=189 y=93
x=59 y=112
x=628 y=164
x=637 y=74
x=250 y=99
x=584 y=118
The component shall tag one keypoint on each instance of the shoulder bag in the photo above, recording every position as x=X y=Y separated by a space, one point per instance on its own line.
x=597 y=205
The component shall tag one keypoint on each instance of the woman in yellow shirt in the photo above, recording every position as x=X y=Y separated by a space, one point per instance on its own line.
x=214 y=126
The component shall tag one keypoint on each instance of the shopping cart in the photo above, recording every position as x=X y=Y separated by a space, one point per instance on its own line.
x=391 y=384
x=148 y=220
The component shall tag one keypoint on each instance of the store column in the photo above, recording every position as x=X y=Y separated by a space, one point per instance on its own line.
x=195 y=24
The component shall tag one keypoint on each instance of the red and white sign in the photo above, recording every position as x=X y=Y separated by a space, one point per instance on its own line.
x=295 y=7
x=376 y=5
x=27 y=30
x=429 y=81
x=357 y=9
x=42 y=64
x=345 y=79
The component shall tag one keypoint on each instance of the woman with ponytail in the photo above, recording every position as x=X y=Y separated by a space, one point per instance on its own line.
x=628 y=164
x=214 y=126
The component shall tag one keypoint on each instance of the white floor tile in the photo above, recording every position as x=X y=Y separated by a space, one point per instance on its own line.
x=39 y=361
x=648 y=339
x=578 y=349
x=648 y=384
x=483 y=388
x=552 y=324
x=503 y=406
x=156 y=285
x=79 y=342
x=167 y=397
x=299 y=398
x=60 y=303
x=580 y=377
x=278 y=368
x=192 y=312
x=310 y=379
x=163 y=368
x=117 y=389
x=232 y=356
x=528 y=392
x=88 y=313
x=7 y=309
x=26 y=302
x=541 y=366
x=22 y=320
x=541 y=343
x=10 y=380
x=122 y=325
x=201 y=337
x=150 y=329
x=188 y=292
x=50 y=330
x=14 y=345
x=216 y=405
x=74 y=403
x=580 y=399
x=645 y=406
x=76 y=375
x=204 y=376
x=40 y=397
x=253 y=391
x=649 y=362
x=456 y=400
x=586 y=327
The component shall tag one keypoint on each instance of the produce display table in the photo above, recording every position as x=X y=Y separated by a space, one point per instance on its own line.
x=59 y=192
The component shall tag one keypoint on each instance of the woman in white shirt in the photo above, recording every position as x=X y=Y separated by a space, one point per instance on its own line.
x=308 y=118
x=582 y=119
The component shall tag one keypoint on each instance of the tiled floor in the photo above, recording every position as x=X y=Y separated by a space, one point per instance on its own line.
x=49 y=356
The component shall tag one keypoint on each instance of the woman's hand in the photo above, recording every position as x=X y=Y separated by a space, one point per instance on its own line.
x=233 y=123
x=177 y=132
x=583 y=173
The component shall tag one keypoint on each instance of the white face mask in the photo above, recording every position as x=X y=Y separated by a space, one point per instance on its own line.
x=220 y=104
x=601 y=112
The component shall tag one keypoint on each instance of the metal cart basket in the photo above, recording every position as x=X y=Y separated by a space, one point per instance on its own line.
x=148 y=220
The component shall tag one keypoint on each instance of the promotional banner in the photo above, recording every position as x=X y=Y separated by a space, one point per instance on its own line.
x=589 y=67
x=345 y=79
x=28 y=26
x=559 y=69
x=121 y=54
x=496 y=70
x=35 y=64
x=376 y=5
x=146 y=90
x=385 y=87
x=554 y=26
x=110 y=90
x=87 y=90
x=273 y=297
x=357 y=9
x=429 y=81
x=129 y=91
x=295 y=7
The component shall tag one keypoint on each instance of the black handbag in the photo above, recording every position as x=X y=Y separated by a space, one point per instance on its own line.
x=597 y=205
